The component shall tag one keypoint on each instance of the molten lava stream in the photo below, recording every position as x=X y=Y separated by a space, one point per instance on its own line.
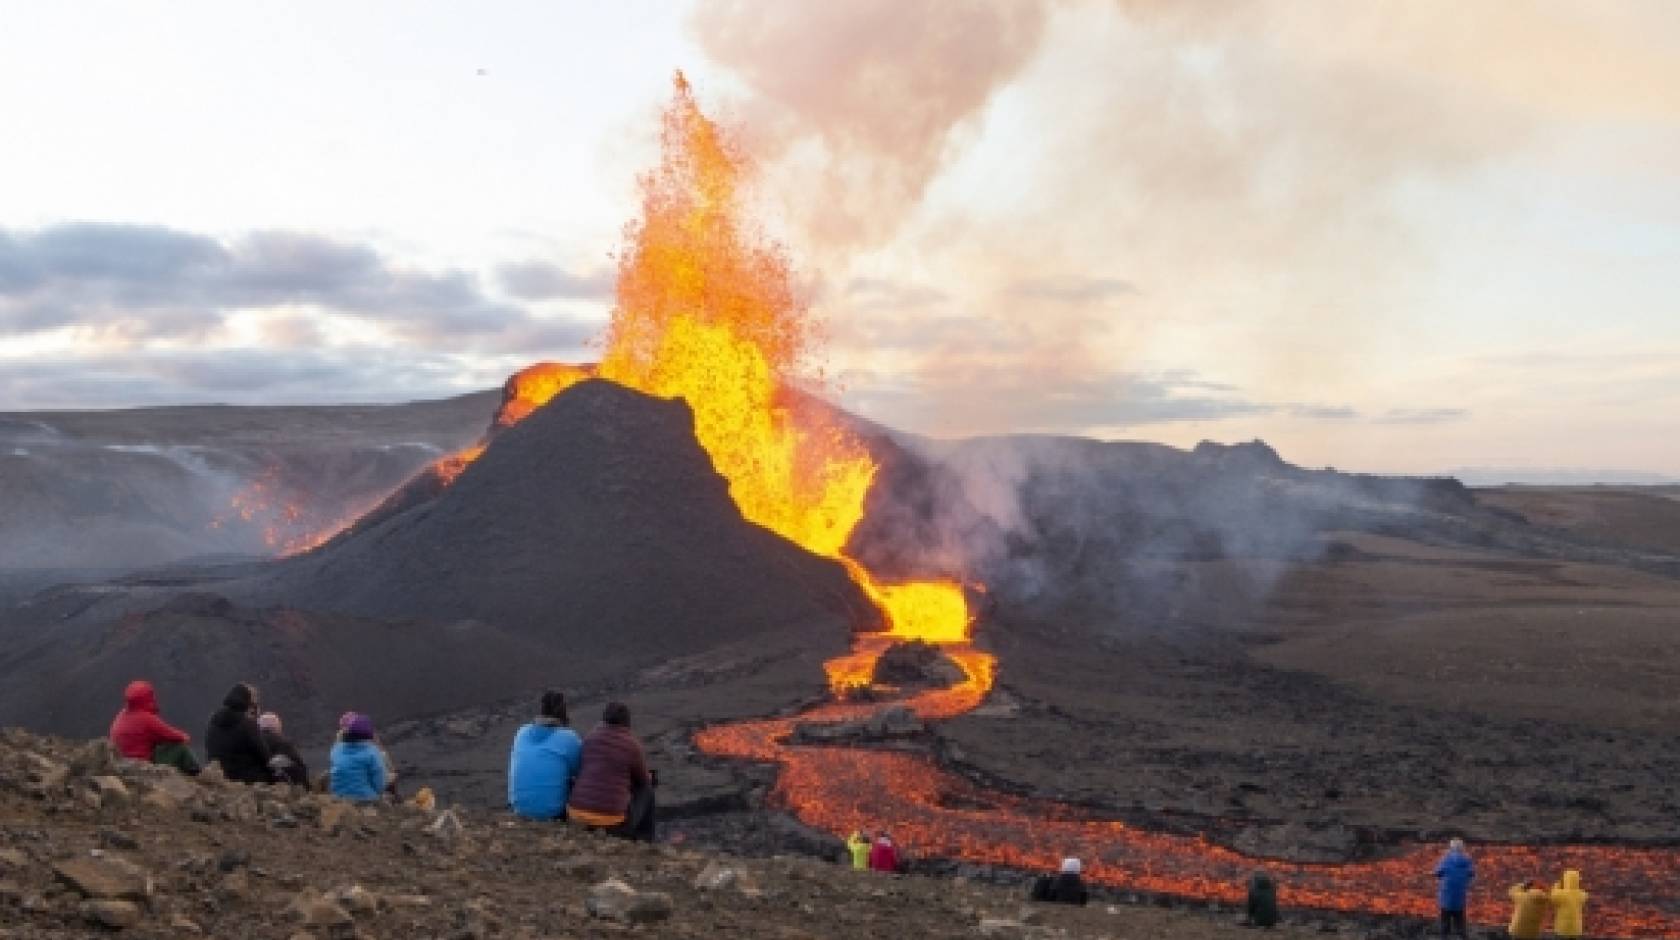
x=937 y=814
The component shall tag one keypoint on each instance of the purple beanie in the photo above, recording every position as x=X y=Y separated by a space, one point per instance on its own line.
x=361 y=726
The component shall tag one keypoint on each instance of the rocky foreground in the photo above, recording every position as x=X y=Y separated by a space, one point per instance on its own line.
x=92 y=845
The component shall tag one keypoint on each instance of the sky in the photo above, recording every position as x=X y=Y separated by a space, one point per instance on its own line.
x=1409 y=237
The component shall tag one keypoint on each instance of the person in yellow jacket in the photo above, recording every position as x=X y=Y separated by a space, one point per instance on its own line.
x=858 y=846
x=1528 y=910
x=1568 y=900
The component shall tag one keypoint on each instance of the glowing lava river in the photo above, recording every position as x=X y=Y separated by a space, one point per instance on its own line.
x=706 y=311
x=939 y=814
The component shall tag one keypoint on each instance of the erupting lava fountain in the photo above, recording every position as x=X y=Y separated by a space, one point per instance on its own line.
x=706 y=311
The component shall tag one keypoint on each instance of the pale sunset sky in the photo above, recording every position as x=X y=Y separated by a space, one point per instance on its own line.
x=1388 y=236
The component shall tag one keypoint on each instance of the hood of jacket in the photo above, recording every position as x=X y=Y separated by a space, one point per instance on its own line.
x=140 y=696
x=1571 y=880
x=543 y=729
x=236 y=707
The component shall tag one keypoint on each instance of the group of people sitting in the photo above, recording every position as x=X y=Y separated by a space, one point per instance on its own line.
x=1531 y=901
x=250 y=745
x=601 y=781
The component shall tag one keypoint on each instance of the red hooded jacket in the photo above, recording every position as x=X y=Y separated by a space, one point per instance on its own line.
x=883 y=856
x=138 y=729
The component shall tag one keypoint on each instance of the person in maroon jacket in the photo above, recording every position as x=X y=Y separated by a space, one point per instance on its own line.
x=614 y=789
x=139 y=734
x=883 y=856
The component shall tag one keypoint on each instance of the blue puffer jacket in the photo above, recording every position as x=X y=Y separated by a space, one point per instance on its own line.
x=545 y=758
x=358 y=771
x=1455 y=873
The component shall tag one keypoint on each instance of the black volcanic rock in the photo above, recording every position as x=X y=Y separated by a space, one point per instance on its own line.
x=916 y=665
x=597 y=527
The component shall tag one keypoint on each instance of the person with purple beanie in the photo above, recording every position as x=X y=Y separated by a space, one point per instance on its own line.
x=358 y=768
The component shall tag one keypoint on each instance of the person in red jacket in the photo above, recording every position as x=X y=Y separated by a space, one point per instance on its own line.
x=614 y=788
x=139 y=734
x=883 y=856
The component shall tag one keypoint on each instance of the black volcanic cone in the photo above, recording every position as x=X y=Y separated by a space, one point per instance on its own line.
x=597 y=527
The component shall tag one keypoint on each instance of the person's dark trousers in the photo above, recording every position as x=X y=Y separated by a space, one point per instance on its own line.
x=1453 y=922
x=178 y=756
x=638 y=819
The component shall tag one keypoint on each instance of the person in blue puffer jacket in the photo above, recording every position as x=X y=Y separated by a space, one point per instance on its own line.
x=358 y=769
x=1455 y=872
x=545 y=759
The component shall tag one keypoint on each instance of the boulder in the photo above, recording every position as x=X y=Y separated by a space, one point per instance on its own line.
x=916 y=664
x=111 y=914
x=716 y=877
x=610 y=899
x=650 y=907
x=447 y=827
x=176 y=785
x=332 y=817
x=102 y=877
x=94 y=759
x=615 y=900
x=110 y=788
x=160 y=800
x=359 y=901
x=319 y=912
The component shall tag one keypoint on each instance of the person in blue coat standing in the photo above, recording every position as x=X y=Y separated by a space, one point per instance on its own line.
x=358 y=768
x=545 y=759
x=1454 y=874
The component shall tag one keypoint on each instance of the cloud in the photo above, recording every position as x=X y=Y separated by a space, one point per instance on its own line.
x=132 y=283
x=1323 y=412
x=540 y=280
x=1422 y=415
x=1070 y=290
x=235 y=376
x=133 y=314
x=867 y=293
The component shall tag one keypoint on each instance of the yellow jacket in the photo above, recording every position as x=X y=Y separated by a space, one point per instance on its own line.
x=858 y=847
x=1528 y=912
x=1567 y=901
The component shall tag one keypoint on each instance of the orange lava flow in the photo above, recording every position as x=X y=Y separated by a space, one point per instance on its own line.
x=286 y=527
x=937 y=814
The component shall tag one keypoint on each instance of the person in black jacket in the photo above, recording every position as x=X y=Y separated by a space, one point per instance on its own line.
x=1066 y=887
x=284 y=761
x=1262 y=907
x=235 y=741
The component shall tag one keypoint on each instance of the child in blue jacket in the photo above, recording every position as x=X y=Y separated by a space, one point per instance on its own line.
x=358 y=768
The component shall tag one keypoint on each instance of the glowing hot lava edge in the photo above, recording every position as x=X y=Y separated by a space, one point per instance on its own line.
x=938 y=814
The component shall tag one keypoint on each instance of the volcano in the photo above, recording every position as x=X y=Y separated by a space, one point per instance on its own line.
x=596 y=525
x=592 y=539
